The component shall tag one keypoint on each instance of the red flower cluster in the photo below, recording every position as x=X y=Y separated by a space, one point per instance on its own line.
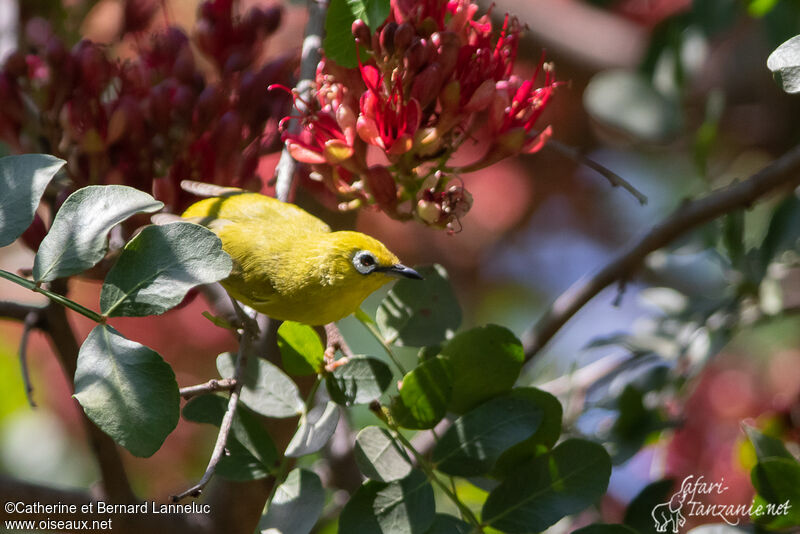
x=427 y=80
x=158 y=118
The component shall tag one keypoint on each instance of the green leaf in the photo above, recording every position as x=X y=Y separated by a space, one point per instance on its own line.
x=766 y=446
x=297 y=505
x=784 y=62
x=159 y=266
x=416 y=313
x=542 y=440
x=563 y=482
x=424 y=394
x=627 y=102
x=777 y=481
x=360 y=381
x=266 y=389
x=316 y=428
x=605 y=528
x=339 y=43
x=23 y=180
x=78 y=238
x=733 y=236
x=638 y=515
x=486 y=363
x=379 y=456
x=246 y=428
x=475 y=441
x=240 y=465
x=447 y=524
x=401 y=507
x=301 y=349
x=127 y=390
x=783 y=232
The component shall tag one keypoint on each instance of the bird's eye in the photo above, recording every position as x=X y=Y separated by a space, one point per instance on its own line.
x=364 y=262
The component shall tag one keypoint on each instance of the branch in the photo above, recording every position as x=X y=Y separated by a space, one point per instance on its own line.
x=613 y=178
x=30 y=322
x=222 y=384
x=18 y=311
x=312 y=44
x=781 y=173
x=249 y=334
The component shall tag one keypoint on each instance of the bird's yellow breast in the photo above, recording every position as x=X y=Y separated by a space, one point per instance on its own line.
x=287 y=263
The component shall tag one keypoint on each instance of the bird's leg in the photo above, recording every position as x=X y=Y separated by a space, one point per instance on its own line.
x=335 y=341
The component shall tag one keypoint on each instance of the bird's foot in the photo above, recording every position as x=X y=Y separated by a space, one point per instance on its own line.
x=334 y=341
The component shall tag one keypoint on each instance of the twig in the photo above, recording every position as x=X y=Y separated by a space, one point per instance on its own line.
x=30 y=322
x=245 y=344
x=312 y=44
x=781 y=173
x=215 y=384
x=613 y=178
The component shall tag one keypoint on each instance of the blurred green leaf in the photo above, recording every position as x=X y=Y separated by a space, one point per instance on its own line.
x=267 y=390
x=638 y=515
x=424 y=394
x=777 y=481
x=783 y=232
x=316 y=428
x=563 y=482
x=301 y=349
x=766 y=446
x=416 y=313
x=339 y=43
x=360 y=381
x=475 y=441
x=297 y=505
x=543 y=439
x=246 y=428
x=23 y=180
x=784 y=63
x=634 y=424
x=401 y=507
x=486 y=362
x=605 y=528
x=733 y=236
x=627 y=102
x=127 y=390
x=379 y=456
x=159 y=266
x=240 y=465
x=78 y=238
x=447 y=524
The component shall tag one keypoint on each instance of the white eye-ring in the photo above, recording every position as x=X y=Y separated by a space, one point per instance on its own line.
x=364 y=262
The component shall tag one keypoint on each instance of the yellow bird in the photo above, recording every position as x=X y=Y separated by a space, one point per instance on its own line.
x=287 y=263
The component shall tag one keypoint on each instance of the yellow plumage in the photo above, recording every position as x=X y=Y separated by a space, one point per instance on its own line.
x=287 y=263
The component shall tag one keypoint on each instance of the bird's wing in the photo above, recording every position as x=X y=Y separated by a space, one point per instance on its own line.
x=241 y=207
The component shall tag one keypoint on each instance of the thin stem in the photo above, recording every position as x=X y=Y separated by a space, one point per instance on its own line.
x=55 y=297
x=245 y=345
x=215 y=384
x=429 y=472
x=377 y=335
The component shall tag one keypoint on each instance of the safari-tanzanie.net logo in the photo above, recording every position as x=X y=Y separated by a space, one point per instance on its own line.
x=670 y=516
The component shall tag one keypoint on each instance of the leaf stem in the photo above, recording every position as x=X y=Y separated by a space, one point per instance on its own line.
x=426 y=467
x=377 y=335
x=55 y=297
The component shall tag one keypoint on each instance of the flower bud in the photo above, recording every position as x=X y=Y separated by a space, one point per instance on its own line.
x=237 y=60
x=361 y=33
x=55 y=53
x=272 y=19
x=137 y=15
x=16 y=66
x=183 y=101
x=34 y=234
x=387 y=37
x=402 y=37
x=37 y=32
x=428 y=211
x=448 y=46
x=184 y=67
x=227 y=135
x=426 y=84
x=209 y=104
x=94 y=67
x=381 y=185
x=416 y=56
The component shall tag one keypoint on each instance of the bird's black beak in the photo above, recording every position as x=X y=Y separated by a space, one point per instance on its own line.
x=400 y=270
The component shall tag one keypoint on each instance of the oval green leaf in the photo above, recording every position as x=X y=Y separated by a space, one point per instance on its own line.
x=379 y=456
x=301 y=349
x=316 y=428
x=296 y=506
x=78 y=237
x=339 y=43
x=475 y=441
x=563 y=482
x=23 y=180
x=159 y=266
x=127 y=390
x=416 y=313
x=266 y=389
x=424 y=394
x=401 y=507
x=447 y=524
x=486 y=363
x=359 y=381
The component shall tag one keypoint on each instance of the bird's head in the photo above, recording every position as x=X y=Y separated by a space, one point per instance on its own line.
x=364 y=257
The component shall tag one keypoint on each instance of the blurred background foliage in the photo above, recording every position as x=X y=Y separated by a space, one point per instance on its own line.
x=674 y=96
